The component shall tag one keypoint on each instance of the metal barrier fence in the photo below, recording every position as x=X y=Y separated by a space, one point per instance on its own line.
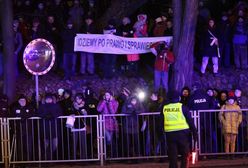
x=222 y=132
x=2 y=145
x=37 y=140
x=107 y=137
x=133 y=136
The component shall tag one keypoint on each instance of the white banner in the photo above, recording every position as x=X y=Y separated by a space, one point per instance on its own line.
x=111 y=44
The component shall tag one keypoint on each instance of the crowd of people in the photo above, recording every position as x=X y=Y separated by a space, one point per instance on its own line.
x=59 y=23
x=224 y=39
x=66 y=103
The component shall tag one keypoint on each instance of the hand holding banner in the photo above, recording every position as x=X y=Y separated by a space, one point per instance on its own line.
x=112 y=44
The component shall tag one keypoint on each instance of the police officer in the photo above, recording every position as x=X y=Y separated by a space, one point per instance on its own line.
x=200 y=100
x=178 y=125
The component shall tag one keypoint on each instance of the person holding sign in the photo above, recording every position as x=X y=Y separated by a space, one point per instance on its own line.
x=164 y=57
x=89 y=28
x=109 y=60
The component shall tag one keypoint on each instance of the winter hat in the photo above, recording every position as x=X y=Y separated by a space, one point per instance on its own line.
x=186 y=88
x=60 y=91
x=109 y=91
x=49 y=96
x=159 y=19
x=68 y=91
x=89 y=17
x=22 y=96
x=196 y=86
x=142 y=17
x=231 y=95
x=126 y=20
x=69 y=21
x=173 y=95
x=80 y=96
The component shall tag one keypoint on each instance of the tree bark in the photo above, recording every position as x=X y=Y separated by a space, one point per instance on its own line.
x=184 y=48
x=177 y=22
x=8 y=51
x=118 y=9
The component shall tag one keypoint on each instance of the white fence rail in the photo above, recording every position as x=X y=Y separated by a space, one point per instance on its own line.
x=112 y=137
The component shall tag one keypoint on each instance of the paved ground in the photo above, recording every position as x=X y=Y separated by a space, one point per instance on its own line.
x=220 y=163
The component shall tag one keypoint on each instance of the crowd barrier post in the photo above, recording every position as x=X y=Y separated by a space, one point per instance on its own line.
x=5 y=141
x=100 y=139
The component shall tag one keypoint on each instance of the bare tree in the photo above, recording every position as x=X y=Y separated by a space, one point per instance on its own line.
x=185 y=17
x=8 y=52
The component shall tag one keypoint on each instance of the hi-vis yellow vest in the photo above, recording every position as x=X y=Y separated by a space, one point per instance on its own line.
x=174 y=119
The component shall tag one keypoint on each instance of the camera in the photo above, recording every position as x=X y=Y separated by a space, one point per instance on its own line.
x=161 y=46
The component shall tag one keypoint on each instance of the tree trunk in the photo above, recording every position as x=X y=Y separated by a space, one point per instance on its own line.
x=184 y=48
x=8 y=51
x=118 y=9
x=177 y=8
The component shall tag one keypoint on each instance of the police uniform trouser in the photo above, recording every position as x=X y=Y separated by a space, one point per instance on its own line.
x=178 y=143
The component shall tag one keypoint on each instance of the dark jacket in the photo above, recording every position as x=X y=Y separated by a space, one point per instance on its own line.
x=89 y=29
x=23 y=126
x=225 y=32
x=49 y=123
x=79 y=111
x=68 y=36
x=66 y=105
x=200 y=100
x=163 y=59
x=131 y=122
x=206 y=48
x=22 y=112
x=240 y=33
x=126 y=29
x=52 y=34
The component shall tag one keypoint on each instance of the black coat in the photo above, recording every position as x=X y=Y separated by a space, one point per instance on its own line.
x=68 y=36
x=206 y=48
x=49 y=123
x=23 y=112
x=66 y=105
x=89 y=29
x=200 y=100
x=225 y=32
x=80 y=122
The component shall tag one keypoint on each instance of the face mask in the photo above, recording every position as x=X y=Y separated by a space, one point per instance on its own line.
x=230 y=101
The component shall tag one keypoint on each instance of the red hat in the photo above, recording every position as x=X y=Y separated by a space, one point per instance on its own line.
x=231 y=93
